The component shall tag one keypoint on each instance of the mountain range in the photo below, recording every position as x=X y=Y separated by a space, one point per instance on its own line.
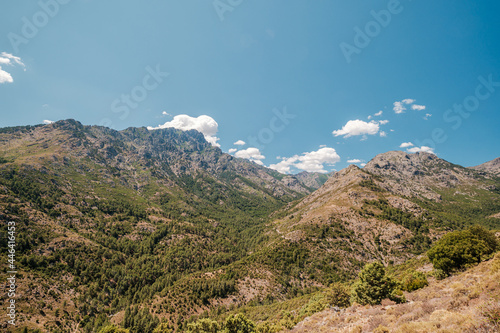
x=114 y=226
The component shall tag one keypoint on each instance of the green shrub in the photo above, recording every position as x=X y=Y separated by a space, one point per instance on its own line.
x=203 y=326
x=413 y=280
x=374 y=285
x=113 y=329
x=458 y=249
x=239 y=324
x=338 y=295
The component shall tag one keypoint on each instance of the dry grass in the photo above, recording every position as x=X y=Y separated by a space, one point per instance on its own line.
x=466 y=302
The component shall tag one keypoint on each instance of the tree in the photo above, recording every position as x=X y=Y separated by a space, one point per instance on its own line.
x=239 y=324
x=113 y=329
x=374 y=285
x=458 y=249
x=203 y=326
x=413 y=280
x=338 y=295
x=162 y=328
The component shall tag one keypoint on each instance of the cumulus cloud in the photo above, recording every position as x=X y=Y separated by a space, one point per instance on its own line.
x=5 y=77
x=378 y=114
x=363 y=164
x=427 y=116
x=232 y=150
x=406 y=145
x=418 y=107
x=10 y=60
x=383 y=134
x=383 y=122
x=240 y=143
x=165 y=113
x=203 y=124
x=252 y=154
x=398 y=107
x=408 y=101
x=47 y=121
x=354 y=161
x=421 y=149
x=357 y=127
x=314 y=161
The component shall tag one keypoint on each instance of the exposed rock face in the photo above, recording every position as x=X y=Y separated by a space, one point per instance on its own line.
x=313 y=180
x=169 y=153
x=492 y=167
x=417 y=175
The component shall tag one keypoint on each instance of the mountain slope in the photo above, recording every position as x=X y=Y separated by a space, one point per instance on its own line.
x=112 y=221
x=492 y=167
x=114 y=218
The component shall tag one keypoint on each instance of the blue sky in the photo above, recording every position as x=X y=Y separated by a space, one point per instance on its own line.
x=299 y=82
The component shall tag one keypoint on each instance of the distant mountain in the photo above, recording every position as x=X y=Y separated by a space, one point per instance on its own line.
x=492 y=167
x=312 y=180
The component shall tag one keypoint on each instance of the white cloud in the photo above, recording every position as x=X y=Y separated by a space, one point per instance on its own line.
x=203 y=124
x=383 y=134
x=418 y=107
x=240 y=143
x=383 y=122
x=427 y=116
x=408 y=101
x=8 y=59
x=370 y=117
x=165 y=113
x=5 y=77
x=252 y=154
x=421 y=149
x=322 y=146
x=363 y=164
x=354 y=161
x=232 y=150
x=406 y=145
x=47 y=121
x=378 y=114
x=357 y=127
x=398 y=107
x=310 y=161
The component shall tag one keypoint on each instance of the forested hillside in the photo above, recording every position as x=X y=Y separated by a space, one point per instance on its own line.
x=136 y=227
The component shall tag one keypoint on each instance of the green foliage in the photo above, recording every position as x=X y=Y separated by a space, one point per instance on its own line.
x=458 y=249
x=140 y=320
x=267 y=327
x=203 y=326
x=413 y=280
x=338 y=295
x=162 y=328
x=113 y=329
x=316 y=304
x=239 y=324
x=374 y=285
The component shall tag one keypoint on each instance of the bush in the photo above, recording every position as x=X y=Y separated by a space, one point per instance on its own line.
x=458 y=249
x=374 y=285
x=203 y=326
x=113 y=329
x=239 y=324
x=338 y=295
x=413 y=280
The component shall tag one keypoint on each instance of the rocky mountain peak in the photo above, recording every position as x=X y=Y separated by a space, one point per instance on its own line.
x=492 y=166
